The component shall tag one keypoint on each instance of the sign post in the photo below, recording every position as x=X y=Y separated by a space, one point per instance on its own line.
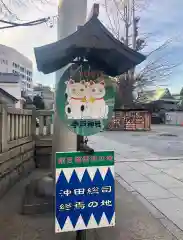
x=85 y=197
x=84 y=102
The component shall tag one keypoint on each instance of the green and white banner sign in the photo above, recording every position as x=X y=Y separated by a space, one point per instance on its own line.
x=85 y=196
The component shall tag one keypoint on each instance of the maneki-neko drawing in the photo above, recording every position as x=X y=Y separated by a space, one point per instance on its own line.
x=98 y=109
x=76 y=99
x=85 y=100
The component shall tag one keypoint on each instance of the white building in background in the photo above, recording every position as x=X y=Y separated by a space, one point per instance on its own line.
x=12 y=84
x=11 y=61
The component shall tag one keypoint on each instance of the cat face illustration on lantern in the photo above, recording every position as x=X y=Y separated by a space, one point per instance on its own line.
x=76 y=99
x=85 y=100
x=96 y=103
x=75 y=90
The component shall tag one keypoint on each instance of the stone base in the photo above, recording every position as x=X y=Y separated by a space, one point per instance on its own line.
x=11 y=177
x=39 y=196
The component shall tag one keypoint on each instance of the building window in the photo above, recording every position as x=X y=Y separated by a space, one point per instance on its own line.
x=15 y=72
x=22 y=69
x=23 y=76
x=3 y=61
x=29 y=73
x=15 y=65
x=29 y=79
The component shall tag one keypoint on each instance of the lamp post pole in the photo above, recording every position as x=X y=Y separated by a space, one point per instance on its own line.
x=70 y=15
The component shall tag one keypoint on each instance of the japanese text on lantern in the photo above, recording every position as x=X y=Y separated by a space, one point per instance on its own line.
x=85 y=123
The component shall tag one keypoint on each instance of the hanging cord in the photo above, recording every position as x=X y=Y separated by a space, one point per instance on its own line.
x=85 y=140
x=83 y=147
x=89 y=72
x=75 y=71
x=81 y=67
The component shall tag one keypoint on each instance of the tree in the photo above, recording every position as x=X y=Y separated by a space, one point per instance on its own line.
x=8 y=7
x=157 y=68
x=38 y=102
x=10 y=19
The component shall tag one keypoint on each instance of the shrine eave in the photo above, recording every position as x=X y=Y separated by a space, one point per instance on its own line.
x=94 y=43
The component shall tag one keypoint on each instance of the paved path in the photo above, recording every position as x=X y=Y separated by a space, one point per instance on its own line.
x=133 y=221
x=155 y=179
x=164 y=141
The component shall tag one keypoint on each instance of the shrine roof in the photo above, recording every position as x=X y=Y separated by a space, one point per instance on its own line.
x=93 y=42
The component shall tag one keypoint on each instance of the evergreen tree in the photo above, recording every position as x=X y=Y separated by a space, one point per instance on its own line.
x=38 y=102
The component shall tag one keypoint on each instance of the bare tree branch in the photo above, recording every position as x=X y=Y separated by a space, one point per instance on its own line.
x=26 y=24
x=9 y=8
x=4 y=6
x=159 y=65
x=10 y=19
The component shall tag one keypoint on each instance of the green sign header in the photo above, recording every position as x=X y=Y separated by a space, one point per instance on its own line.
x=81 y=159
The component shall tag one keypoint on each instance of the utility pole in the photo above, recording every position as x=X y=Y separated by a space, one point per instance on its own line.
x=130 y=22
x=70 y=15
x=126 y=21
x=134 y=35
x=134 y=32
x=126 y=12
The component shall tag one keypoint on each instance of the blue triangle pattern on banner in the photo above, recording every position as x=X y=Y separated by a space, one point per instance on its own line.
x=109 y=180
x=85 y=197
x=86 y=179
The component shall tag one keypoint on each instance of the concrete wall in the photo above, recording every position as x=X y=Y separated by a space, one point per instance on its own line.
x=43 y=154
x=15 y=164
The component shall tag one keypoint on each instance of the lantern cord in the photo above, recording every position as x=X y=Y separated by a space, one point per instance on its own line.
x=85 y=140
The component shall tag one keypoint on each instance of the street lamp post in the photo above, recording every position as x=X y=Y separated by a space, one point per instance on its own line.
x=71 y=14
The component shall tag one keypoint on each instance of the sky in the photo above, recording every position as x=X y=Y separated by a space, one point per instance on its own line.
x=160 y=21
